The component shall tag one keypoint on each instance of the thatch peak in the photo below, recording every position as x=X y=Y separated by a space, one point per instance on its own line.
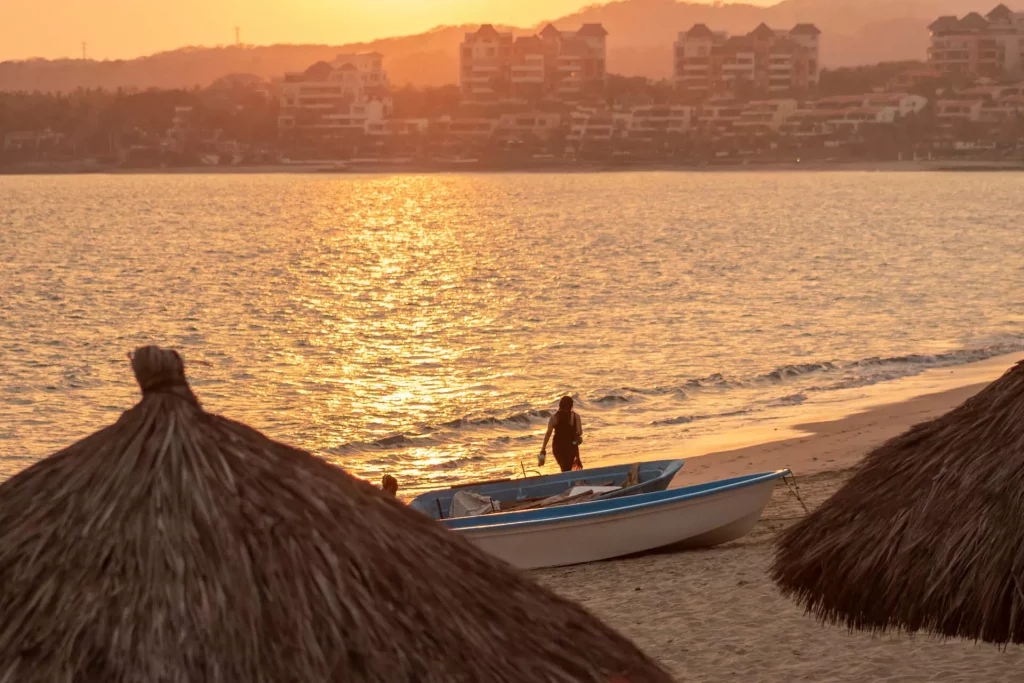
x=159 y=369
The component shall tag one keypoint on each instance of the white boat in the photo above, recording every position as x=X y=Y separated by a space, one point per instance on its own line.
x=691 y=517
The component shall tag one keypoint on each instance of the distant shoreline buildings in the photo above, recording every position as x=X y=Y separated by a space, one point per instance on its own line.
x=533 y=98
x=570 y=66
x=550 y=90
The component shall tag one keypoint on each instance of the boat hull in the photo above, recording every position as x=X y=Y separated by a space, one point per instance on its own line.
x=684 y=518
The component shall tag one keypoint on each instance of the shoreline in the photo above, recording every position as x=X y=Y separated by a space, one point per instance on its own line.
x=839 y=432
x=827 y=446
x=385 y=168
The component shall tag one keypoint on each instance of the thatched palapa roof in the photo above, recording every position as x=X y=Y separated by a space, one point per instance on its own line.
x=176 y=545
x=928 y=535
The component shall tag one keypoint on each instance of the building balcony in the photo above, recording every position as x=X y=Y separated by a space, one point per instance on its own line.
x=491 y=64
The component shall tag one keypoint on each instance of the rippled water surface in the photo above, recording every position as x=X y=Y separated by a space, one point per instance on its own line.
x=424 y=325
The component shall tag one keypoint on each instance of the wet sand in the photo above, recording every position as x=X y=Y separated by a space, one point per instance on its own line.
x=713 y=615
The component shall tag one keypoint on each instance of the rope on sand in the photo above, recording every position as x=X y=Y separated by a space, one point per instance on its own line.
x=795 y=490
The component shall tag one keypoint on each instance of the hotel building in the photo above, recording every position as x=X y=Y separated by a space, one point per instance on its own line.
x=560 y=65
x=765 y=61
x=332 y=99
x=982 y=47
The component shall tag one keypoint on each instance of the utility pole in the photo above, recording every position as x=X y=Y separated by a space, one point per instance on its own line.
x=85 y=50
x=238 y=35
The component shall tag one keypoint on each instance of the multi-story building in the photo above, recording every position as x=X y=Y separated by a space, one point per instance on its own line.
x=526 y=126
x=718 y=116
x=765 y=115
x=485 y=59
x=660 y=119
x=528 y=75
x=763 y=61
x=562 y=65
x=337 y=98
x=947 y=111
x=576 y=67
x=461 y=127
x=597 y=125
x=392 y=128
x=904 y=103
x=850 y=114
x=852 y=120
x=991 y=46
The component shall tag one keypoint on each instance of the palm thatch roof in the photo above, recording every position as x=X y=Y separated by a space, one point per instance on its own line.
x=176 y=545
x=927 y=535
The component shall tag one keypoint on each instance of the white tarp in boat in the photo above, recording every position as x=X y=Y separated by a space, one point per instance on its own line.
x=470 y=503
x=596 y=490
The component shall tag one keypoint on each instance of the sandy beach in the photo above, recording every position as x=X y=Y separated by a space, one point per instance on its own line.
x=714 y=615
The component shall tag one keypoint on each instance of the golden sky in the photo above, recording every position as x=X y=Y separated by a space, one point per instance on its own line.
x=129 y=28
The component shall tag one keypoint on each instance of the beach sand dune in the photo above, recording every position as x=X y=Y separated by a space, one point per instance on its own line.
x=714 y=615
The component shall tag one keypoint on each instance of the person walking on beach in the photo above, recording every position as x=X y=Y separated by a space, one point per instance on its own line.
x=568 y=429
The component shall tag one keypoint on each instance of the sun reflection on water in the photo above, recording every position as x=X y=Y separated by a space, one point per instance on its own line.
x=424 y=325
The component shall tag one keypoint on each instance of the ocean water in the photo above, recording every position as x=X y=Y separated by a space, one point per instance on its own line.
x=427 y=325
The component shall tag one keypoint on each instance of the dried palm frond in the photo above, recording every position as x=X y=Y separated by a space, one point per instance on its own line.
x=928 y=535
x=179 y=546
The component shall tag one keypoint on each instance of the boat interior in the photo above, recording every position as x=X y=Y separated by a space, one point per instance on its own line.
x=567 y=488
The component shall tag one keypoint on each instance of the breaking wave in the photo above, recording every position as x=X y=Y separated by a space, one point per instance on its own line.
x=802 y=377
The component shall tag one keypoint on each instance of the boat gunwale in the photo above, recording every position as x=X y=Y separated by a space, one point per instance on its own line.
x=546 y=516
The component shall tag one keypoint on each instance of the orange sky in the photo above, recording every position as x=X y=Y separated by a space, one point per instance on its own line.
x=129 y=28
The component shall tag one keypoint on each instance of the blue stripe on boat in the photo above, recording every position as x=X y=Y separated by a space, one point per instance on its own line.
x=600 y=508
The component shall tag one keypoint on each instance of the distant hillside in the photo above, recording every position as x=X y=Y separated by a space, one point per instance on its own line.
x=641 y=33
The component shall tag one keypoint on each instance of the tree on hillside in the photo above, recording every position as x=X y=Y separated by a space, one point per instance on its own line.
x=862 y=79
x=418 y=103
x=637 y=91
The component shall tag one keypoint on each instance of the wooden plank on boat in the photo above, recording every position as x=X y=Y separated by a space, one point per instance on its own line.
x=481 y=483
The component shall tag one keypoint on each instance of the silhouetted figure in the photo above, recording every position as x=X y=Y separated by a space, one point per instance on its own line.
x=568 y=429
x=389 y=485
